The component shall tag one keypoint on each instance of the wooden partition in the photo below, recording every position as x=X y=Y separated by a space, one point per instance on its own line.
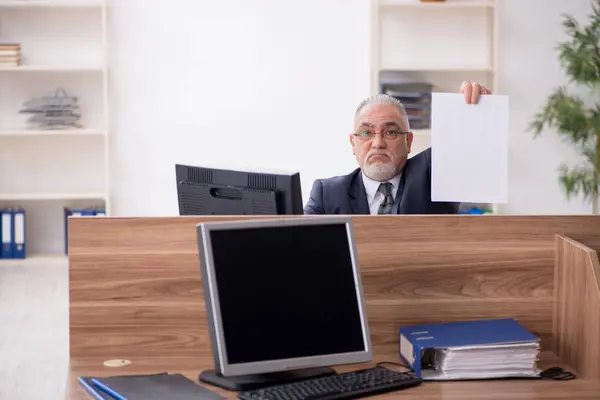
x=577 y=307
x=136 y=293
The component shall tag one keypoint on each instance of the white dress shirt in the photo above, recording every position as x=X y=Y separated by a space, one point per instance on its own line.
x=374 y=196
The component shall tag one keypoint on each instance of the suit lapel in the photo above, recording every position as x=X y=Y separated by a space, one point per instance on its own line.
x=358 y=196
x=401 y=185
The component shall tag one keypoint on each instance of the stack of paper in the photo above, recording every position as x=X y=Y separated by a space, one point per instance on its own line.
x=486 y=349
x=487 y=361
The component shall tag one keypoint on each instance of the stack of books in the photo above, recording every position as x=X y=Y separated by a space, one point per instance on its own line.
x=488 y=349
x=10 y=54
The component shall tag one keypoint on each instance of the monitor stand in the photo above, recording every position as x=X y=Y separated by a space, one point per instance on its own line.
x=251 y=382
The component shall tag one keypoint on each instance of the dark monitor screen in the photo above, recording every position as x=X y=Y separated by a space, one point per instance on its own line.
x=288 y=292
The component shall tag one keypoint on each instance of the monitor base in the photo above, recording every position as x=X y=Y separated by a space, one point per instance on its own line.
x=250 y=382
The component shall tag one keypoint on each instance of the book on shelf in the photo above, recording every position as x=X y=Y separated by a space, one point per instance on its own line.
x=10 y=54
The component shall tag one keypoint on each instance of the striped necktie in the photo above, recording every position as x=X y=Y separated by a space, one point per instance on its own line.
x=387 y=204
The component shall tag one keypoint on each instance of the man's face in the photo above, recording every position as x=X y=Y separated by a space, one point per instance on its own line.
x=381 y=156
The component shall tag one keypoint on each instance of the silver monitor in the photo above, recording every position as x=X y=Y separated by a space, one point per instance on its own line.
x=283 y=297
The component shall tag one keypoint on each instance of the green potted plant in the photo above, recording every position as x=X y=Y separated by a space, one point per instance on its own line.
x=577 y=120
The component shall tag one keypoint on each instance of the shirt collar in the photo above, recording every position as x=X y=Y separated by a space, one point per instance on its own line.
x=372 y=186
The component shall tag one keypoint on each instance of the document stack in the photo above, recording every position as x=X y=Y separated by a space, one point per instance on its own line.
x=53 y=112
x=416 y=98
x=10 y=54
x=489 y=349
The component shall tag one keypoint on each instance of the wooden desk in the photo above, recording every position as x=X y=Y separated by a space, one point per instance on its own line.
x=136 y=294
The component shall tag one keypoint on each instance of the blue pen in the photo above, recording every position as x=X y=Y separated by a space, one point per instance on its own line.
x=90 y=389
x=108 y=390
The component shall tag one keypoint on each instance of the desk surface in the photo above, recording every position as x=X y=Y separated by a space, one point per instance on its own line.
x=476 y=390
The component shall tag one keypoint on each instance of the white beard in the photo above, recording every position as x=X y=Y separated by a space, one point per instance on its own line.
x=380 y=171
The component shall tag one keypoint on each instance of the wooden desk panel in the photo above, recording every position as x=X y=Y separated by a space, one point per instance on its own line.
x=577 y=307
x=136 y=293
x=134 y=278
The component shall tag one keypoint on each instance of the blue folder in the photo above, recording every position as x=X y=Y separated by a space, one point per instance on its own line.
x=18 y=238
x=6 y=234
x=419 y=343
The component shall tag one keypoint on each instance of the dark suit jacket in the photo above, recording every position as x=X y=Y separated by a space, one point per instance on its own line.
x=346 y=194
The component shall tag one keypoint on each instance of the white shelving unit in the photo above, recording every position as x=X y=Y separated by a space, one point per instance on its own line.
x=63 y=45
x=439 y=42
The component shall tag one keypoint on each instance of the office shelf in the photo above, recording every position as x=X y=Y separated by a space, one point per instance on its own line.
x=54 y=132
x=51 y=196
x=36 y=259
x=410 y=67
x=51 y=68
x=51 y=3
x=414 y=41
x=48 y=170
x=421 y=132
x=442 y=4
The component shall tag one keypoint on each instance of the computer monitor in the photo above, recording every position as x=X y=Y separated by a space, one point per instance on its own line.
x=284 y=299
x=211 y=191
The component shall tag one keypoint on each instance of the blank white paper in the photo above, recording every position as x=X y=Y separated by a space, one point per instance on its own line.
x=469 y=147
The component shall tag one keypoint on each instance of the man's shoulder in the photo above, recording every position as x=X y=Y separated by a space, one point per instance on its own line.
x=422 y=159
x=338 y=180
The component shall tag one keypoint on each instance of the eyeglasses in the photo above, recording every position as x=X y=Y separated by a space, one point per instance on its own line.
x=387 y=135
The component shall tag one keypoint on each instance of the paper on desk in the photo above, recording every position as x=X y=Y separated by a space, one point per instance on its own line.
x=469 y=146
x=501 y=360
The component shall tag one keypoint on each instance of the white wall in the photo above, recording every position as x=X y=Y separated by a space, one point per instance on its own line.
x=528 y=72
x=273 y=84
x=264 y=84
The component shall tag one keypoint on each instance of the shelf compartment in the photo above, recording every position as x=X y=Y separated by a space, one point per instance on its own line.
x=45 y=225
x=54 y=39
x=50 y=167
x=16 y=90
x=442 y=81
x=410 y=38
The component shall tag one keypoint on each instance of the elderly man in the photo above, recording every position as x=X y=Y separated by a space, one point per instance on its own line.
x=387 y=182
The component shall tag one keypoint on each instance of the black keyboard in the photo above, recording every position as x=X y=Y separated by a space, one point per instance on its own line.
x=346 y=385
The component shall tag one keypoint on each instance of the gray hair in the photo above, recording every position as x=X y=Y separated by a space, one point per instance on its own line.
x=383 y=99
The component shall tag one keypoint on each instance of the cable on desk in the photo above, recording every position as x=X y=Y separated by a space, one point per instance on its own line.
x=557 y=374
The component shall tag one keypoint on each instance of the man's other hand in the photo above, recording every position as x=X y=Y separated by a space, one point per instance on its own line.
x=472 y=91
